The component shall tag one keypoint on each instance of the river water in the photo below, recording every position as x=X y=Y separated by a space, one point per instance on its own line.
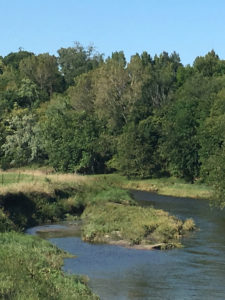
x=196 y=271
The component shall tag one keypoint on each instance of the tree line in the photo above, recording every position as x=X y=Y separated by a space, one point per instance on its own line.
x=147 y=117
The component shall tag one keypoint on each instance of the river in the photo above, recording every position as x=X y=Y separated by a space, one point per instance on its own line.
x=196 y=271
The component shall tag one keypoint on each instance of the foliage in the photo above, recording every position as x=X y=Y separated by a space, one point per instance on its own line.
x=135 y=225
x=110 y=86
x=13 y=59
x=74 y=61
x=30 y=268
x=70 y=139
x=22 y=144
x=137 y=150
x=180 y=145
x=43 y=71
x=146 y=117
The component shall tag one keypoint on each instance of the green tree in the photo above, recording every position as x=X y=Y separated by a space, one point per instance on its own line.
x=28 y=93
x=163 y=82
x=43 y=71
x=13 y=59
x=74 y=61
x=22 y=143
x=137 y=150
x=110 y=88
x=70 y=139
x=82 y=95
x=212 y=152
x=210 y=64
x=1 y=65
x=139 y=102
x=180 y=143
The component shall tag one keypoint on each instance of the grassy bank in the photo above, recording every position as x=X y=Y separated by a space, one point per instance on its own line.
x=133 y=226
x=109 y=214
x=169 y=186
x=41 y=198
x=30 y=268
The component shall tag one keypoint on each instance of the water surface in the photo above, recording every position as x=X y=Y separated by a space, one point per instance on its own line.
x=196 y=271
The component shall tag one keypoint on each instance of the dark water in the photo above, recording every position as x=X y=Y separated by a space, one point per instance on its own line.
x=196 y=271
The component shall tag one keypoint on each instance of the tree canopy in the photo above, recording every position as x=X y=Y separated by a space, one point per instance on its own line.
x=146 y=117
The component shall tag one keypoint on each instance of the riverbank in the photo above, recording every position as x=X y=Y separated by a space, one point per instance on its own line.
x=133 y=226
x=31 y=269
x=108 y=213
x=168 y=186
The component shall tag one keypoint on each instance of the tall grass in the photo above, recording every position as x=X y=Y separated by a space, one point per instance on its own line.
x=135 y=225
x=165 y=186
x=30 y=268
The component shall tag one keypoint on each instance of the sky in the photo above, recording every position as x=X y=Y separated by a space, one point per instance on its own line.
x=190 y=27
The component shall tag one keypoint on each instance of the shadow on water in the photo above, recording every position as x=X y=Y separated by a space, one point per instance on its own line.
x=197 y=271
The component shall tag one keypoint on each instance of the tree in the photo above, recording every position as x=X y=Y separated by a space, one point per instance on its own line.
x=82 y=95
x=74 y=61
x=163 y=82
x=209 y=65
x=212 y=152
x=110 y=87
x=13 y=59
x=43 y=71
x=180 y=143
x=139 y=102
x=71 y=139
x=137 y=150
x=22 y=143
x=1 y=65
x=28 y=93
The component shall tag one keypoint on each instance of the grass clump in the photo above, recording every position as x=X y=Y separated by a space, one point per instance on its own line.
x=5 y=223
x=113 y=194
x=133 y=225
x=30 y=268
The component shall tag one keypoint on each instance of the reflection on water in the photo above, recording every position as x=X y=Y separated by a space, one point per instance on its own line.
x=196 y=271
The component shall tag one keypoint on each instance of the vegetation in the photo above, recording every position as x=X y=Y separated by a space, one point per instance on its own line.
x=149 y=118
x=145 y=118
x=170 y=186
x=31 y=266
x=104 y=207
x=131 y=225
x=31 y=269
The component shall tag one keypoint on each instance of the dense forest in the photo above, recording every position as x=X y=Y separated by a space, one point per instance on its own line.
x=149 y=117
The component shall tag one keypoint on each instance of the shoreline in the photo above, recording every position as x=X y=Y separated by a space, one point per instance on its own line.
x=66 y=232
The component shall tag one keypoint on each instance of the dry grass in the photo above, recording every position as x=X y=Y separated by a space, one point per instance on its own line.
x=27 y=187
x=186 y=192
x=170 y=187
x=36 y=180
x=72 y=178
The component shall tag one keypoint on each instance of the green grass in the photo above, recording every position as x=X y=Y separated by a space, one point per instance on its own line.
x=135 y=225
x=30 y=268
x=174 y=187
x=14 y=177
x=169 y=186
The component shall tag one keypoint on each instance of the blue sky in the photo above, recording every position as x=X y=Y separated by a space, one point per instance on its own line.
x=189 y=27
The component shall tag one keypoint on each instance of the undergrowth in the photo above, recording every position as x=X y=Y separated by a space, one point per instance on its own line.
x=30 y=268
